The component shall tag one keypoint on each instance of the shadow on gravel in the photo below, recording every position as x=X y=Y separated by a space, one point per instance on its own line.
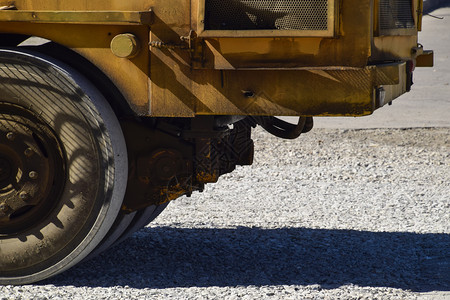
x=165 y=257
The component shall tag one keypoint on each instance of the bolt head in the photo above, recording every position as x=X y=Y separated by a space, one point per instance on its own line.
x=23 y=195
x=4 y=207
x=33 y=175
x=10 y=136
x=28 y=152
x=125 y=45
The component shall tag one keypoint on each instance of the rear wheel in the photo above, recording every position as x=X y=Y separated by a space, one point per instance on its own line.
x=125 y=225
x=63 y=167
x=142 y=219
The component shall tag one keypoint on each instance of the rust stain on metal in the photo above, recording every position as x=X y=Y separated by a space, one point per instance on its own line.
x=198 y=70
x=77 y=17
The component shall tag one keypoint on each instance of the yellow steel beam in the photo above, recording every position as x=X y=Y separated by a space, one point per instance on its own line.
x=78 y=17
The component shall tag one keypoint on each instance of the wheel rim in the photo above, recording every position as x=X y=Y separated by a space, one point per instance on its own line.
x=31 y=169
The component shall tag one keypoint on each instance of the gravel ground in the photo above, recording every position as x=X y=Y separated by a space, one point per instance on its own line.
x=336 y=214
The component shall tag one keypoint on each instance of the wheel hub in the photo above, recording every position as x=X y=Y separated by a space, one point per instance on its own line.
x=5 y=169
x=31 y=169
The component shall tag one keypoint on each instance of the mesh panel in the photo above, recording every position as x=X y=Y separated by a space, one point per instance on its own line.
x=396 y=14
x=266 y=14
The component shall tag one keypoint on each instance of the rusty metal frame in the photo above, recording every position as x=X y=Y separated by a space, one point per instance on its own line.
x=79 y=17
x=331 y=32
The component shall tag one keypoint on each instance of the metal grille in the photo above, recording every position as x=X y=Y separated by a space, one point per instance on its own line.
x=266 y=14
x=396 y=14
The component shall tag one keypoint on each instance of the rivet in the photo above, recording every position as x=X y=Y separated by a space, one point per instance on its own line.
x=33 y=175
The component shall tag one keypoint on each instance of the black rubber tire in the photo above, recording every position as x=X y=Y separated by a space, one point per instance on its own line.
x=141 y=219
x=125 y=225
x=121 y=224
x=95 y=164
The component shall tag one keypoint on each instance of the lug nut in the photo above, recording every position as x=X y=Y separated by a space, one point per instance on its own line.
x=4 y=208
x=10 y=136
x=23 y=195
x=28 y=152
x=33 y=175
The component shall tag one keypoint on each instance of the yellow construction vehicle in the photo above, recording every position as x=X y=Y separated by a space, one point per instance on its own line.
x=110 y=109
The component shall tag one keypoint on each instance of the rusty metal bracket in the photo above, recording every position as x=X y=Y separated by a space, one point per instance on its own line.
x=189 y=43
x=8 y=14
x=186 y=43
x=172 y=46
x=424 y=58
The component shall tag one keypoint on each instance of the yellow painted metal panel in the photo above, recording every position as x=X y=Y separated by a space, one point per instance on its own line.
x=181 y=91
x=77 y=17
x=350 y=46
x=93 y=42
x=207 y=75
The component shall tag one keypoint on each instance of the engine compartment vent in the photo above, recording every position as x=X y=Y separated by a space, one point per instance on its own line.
x=303 y=15
x=395 y=14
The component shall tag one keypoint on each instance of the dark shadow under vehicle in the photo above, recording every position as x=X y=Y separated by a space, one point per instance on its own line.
x=166 y=257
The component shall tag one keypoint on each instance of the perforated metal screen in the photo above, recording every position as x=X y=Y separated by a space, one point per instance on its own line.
x=266 y=14
x=396 y=14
